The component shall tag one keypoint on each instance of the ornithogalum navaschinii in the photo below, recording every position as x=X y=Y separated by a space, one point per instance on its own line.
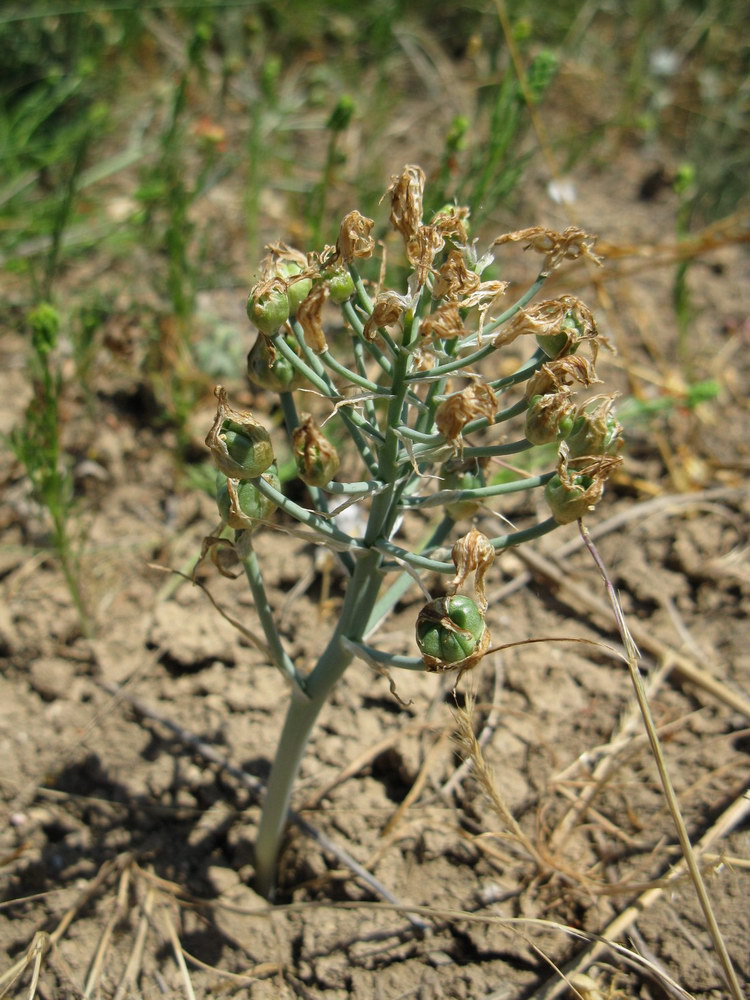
x=422 y=404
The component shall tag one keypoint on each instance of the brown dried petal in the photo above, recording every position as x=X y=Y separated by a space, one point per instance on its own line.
x=406 y=193
x=387 y=310
x=452 y=222
x=560 y=373
x=421 y=250
x=309 y=313
x=317 y=459
x=571 y=244
x=354 y=237
x=454 y=279
x=454 y=413
x=444 y=322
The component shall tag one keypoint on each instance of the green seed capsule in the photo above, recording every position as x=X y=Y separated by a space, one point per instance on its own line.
x=462 y=475
x=595 y=433
x=571 y=500
x=269 y=369
x=340 y=284
x=269 y=310
x=253 y=506
x=297 y=291
x=450 y=629
x=243 y=452
x=549 y=417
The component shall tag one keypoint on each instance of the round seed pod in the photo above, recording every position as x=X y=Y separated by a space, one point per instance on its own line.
x=340 y=284
x=240 y=446
x=595 y=433
x=450 y=632
x=269 y=369
x=572 y=497
x=316 y=458
x=462 y=475
x=549 y=417
x=268 y=308
x=241 y=505
x=297 y=290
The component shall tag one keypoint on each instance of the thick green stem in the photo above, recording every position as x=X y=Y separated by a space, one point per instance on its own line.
x=303 y=712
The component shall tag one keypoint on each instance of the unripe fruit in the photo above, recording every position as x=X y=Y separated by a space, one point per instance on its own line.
x=251 y=506
x=450 y=629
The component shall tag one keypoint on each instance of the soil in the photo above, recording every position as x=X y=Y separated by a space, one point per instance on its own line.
x=125 y=837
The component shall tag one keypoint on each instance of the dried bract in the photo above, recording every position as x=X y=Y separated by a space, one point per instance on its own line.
x=571 y=244
x=354 y=237
x=406 y=193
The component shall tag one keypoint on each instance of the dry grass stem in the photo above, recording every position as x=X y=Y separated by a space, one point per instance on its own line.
x=672 y=803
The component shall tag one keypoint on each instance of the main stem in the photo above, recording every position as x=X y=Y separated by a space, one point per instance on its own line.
x=361 y=594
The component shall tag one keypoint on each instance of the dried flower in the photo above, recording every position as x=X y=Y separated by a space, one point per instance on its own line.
x=406 y=193
x=316 y=459
x=240 y=445
x=560 y=373
x=354 y=237
x=550 y=417
x=387 y=310
x=444 y=323
x=473 y=553
x=421 y=250
x=453 y=221
x=595 y=432
x=455 y=412
x=571 y=494
x=559 y=326
x=454 y=279
x=571 y=244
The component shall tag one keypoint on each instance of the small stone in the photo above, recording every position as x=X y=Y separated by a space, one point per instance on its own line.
x=51 y=677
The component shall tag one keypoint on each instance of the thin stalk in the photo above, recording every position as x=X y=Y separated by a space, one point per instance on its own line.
x=265 y=616
x=307 y=517
x=470 y=359
x=365 y=652
x=480 y=493
x=499 y=542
